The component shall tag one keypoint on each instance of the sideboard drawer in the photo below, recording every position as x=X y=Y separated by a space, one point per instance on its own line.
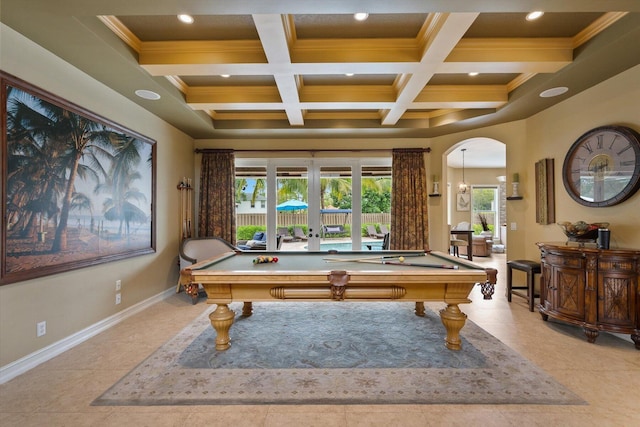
x=616 y=265
x=564 y=261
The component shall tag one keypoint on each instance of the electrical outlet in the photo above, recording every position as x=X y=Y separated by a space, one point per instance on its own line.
x=118 y=298
x=118 y=284
x=514 y=226
x=41 y=328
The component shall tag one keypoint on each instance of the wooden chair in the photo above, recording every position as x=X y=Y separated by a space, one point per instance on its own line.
x=461 y=235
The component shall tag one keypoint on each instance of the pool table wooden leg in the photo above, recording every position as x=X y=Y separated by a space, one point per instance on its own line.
x=247 y=308
x=221 y=320
x=420 y=308
x=453 y=320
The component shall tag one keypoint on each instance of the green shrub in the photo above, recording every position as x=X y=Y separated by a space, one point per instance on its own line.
x=246 y=232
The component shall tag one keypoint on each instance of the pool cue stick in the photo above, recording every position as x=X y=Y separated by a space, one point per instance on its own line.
x=409 y=264
x=380 y=257
x=189 y=210
x=352 y=259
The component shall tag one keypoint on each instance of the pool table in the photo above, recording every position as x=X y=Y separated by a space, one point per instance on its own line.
x=345 y=276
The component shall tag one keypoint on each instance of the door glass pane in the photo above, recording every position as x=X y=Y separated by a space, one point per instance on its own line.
x=335 y=207
x=484 y=209
x=292 y=222
x=251 y=203
x=376 y=205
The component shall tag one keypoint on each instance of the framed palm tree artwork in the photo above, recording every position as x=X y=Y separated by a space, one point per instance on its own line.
x=77 y=189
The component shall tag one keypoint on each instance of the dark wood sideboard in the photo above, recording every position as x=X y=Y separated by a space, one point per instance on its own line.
x=594 y=288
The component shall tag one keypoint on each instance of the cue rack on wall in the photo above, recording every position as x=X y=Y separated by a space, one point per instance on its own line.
x=185 y=189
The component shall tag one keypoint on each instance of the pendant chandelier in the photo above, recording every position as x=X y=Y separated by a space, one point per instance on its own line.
x=462 y=188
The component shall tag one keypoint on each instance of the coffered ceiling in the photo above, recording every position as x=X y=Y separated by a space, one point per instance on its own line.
x=295 y=69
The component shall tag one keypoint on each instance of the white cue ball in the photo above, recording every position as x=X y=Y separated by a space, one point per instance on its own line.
x=401 y=259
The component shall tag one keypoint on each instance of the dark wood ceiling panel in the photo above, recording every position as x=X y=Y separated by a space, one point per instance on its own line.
x=516 y=25
x=399 y=25
x=204 y=27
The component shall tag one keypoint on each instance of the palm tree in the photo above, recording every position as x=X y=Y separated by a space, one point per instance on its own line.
x=121 y=175
x=64 y=136
x=292 y=188
x=335 y=188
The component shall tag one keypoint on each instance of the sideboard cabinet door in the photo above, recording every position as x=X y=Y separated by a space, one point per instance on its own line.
x=566 y=285
x=617 y=285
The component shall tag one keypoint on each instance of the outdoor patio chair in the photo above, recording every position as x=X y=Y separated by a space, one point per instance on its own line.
x=299 y=234
x=371 y=230
x=284 y=233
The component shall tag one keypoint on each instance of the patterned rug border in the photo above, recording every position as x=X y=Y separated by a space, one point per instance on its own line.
x=507 y=378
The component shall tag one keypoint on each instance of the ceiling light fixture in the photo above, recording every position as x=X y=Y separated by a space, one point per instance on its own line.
x=361 y=16
x=147 y=94
x=532 y=16
x=349 y=74
x=473 y=74
x=554 y=91
x=462 y=188
x=187 y=19
x=225 y=76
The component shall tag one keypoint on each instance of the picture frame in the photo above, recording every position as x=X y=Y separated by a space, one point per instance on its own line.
x=545 y=196
x=463 y=202
x=77 y=189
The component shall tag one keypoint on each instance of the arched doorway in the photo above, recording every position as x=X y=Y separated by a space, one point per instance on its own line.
x=476 y=189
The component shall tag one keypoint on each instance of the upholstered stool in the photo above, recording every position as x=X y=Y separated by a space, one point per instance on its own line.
x=531 y=268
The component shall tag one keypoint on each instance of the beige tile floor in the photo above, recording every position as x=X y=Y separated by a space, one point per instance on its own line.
x=605 y=374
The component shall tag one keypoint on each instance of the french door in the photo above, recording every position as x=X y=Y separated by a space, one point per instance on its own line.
x=320 y=197
x=295 y=183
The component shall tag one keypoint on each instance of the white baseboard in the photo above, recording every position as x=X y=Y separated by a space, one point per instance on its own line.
x=30 y=361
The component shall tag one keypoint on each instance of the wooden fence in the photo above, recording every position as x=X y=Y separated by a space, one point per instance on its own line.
x=286 y=219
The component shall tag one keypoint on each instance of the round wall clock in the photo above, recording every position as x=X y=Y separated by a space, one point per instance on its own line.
x=602 y=167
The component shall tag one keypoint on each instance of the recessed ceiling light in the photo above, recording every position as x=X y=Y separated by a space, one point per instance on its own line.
x=360 y=16
x=532 y=16
x=187 y=19
x=225 y=76
x=554 y=91
x=147 y=94
x=349 y=74
x=473 y=74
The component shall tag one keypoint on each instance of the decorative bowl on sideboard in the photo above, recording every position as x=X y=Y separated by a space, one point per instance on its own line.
x=581 y=231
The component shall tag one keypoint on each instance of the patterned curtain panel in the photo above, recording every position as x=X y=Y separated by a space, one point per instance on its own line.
x=409 y=211
x=217 y=196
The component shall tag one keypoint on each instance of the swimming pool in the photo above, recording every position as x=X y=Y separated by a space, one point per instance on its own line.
x=346 y=246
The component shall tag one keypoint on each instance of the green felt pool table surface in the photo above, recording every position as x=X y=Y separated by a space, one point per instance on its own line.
x=355 y=261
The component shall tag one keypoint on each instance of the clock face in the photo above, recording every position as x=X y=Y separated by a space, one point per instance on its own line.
x=602 y=167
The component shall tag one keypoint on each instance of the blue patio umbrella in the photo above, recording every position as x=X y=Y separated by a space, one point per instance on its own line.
x=291 y=205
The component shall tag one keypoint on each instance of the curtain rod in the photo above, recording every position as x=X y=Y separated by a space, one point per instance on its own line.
x=348 y=150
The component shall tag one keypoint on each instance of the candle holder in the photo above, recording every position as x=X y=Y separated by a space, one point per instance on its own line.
x=515 y=189
x=436 y=188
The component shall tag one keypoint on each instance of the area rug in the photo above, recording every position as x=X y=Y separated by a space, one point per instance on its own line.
x=335 y=353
